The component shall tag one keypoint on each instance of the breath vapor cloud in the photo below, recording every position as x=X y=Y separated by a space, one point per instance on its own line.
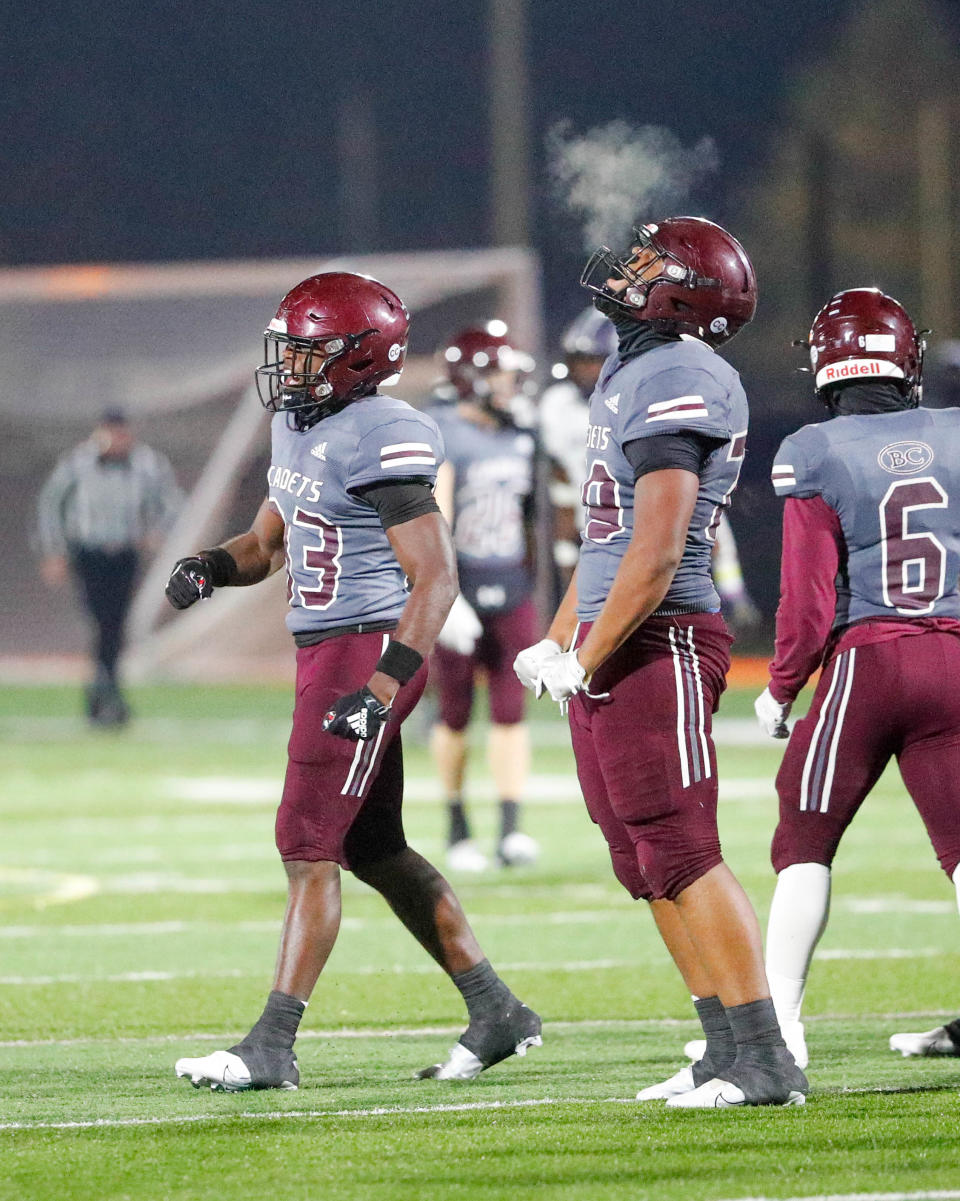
x=612 y=175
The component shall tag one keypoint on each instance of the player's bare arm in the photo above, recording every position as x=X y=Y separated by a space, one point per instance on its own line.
x=664 y=503
x=565 y=619
x=258 y=553
x=246 y=559
x=424 y=549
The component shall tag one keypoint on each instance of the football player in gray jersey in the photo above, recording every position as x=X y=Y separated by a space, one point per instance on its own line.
x=486 y=490
x=871 y=555
x=647 y=649
x=371 y=578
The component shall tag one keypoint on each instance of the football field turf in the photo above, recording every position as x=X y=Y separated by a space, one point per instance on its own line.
x=140 y=900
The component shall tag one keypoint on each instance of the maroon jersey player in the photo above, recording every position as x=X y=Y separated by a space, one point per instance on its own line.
x=649 y=649
x=871 y=555
x=371 y=577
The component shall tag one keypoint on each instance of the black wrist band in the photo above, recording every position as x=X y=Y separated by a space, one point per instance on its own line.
x=400 y=661
x=223 y=566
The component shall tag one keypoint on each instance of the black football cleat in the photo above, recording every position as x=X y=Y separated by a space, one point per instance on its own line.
x=487 y=1042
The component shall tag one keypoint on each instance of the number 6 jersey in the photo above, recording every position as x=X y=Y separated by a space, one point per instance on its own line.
x=893 y=480
x=680 y=387
x=341 y=567
x=871 y=536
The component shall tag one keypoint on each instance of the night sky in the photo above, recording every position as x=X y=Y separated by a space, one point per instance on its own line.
x=139 y=132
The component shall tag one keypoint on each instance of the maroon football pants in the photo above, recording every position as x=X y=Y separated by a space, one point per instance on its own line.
x=504 y=636
x=896 y=698
x=645 y=755
x=342 y=800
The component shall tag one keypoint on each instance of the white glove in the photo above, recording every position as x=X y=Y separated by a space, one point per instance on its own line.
x=529 y=664
x=771 y=715
x=461 y=629
x=563 y=676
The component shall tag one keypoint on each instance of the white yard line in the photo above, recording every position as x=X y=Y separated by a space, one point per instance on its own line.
x=576 y=917
x=153 y=929
x=294 y=1114
x=923 y=1195
x=727 y=731
x=421 y=969
x=542 y=789
x=414 y=1032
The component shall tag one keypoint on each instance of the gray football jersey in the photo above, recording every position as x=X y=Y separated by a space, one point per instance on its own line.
x=340 y=565
x=493 y=471
x=893 y=480
x=682 y=387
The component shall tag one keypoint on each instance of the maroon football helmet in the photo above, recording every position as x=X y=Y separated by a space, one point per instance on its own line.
x=684 y=274
x=356 y=326
x=477 y=352
x=864 y=335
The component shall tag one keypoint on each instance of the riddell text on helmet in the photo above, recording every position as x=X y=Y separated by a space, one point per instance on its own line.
x=863 y=367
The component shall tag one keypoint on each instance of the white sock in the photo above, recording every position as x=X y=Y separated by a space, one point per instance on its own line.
x=798 y=917
x=956 y=884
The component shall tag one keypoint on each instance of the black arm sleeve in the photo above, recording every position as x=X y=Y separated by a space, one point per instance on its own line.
x=687 y=451
x=398 y=501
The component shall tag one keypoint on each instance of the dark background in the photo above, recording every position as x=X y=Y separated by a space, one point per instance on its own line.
x=218 y=131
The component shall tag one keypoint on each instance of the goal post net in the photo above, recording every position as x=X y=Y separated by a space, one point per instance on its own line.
x=175 y=345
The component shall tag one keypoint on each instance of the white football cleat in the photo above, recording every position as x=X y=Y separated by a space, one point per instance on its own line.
x=223 y=1071
x=460 y=1064
x=793 y=1036
x=928 y=1042
x=682 y=1082
x=721 y=1094
x=518 y=850
x=466 y=856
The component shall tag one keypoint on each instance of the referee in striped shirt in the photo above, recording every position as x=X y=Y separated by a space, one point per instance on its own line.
x=106 y=502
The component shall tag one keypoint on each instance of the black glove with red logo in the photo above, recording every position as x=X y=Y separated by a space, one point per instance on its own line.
x=195 y=577
x=357 y=716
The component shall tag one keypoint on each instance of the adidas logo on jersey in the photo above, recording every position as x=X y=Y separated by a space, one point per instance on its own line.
x=613 y=403
x=320 y=451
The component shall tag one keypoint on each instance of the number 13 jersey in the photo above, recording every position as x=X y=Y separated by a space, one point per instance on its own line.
x=893 y=481
x=680 y=387
x=341 y=567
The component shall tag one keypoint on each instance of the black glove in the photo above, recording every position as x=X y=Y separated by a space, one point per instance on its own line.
x=357 y=716
x=191 y=580
x=195 y=577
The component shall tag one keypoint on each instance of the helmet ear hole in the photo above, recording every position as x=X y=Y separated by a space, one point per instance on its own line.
x=360 y=366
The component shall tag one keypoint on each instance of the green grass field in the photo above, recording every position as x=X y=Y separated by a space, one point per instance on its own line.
x=141 y=897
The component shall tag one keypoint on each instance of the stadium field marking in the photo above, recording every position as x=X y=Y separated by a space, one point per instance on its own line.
x=542 y=789
x=421 y=969
x=152 y=929
x=291 y=1114
x=873 y=905
x=413 y=1032
x=865 y=905
x=924 y=1195
x=727 y=731
x=45 y=887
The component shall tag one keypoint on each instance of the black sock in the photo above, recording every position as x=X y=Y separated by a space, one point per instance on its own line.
x=482 y=989
x=277 y=1025
x=459 y=826
x=953 y=1029
x=755 y=1024
x=721 y=1048
x=509 y=817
